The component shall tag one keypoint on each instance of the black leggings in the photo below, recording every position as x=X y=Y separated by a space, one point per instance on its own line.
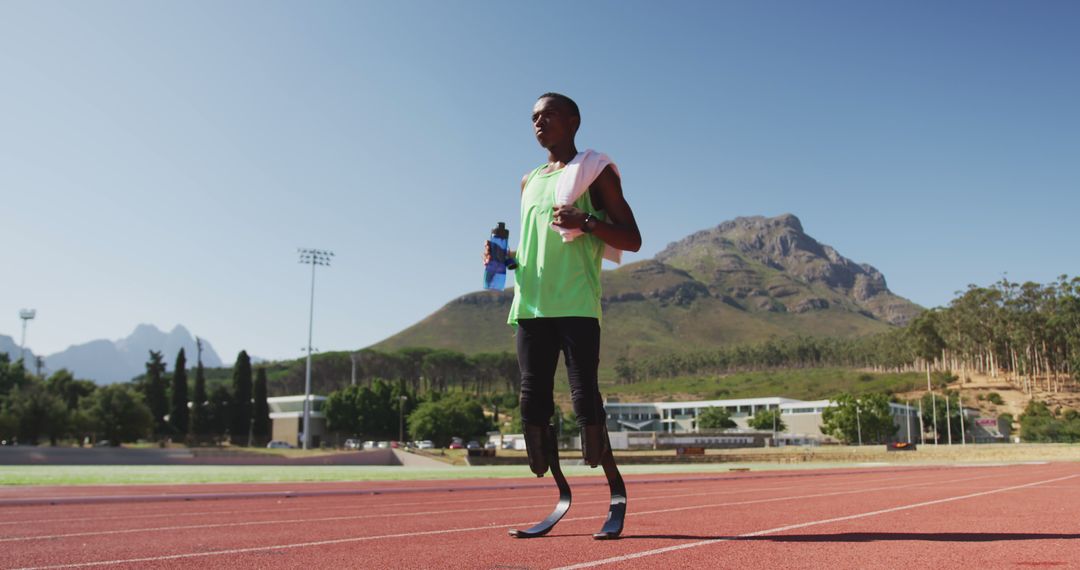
x=539 y=342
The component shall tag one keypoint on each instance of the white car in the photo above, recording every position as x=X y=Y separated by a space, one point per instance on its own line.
x=277 y=444
x=384 y=445
x=425 y=444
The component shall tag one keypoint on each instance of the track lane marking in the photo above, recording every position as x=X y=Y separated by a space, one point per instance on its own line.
x=455 y=530
x=644 y=553
x=360 y=517
x=587 y=492
x=422 y=513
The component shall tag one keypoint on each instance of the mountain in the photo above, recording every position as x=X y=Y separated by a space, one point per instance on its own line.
x=743 y=281
x=11 y=348
x=119 y=361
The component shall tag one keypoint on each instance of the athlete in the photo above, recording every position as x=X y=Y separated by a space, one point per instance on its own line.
x=556 y=306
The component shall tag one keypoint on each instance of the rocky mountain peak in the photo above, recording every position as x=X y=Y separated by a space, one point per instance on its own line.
x=765 y=260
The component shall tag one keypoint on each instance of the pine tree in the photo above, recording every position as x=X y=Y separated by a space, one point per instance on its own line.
x=178 y=414
x=154 y=389
x=199 y=426
x=261 y=421
x=240 y=426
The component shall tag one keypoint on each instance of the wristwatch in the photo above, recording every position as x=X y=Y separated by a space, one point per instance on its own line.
x=589 y=219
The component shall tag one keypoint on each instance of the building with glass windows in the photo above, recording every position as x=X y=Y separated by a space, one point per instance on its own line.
x=287 y=416
x=802 y=419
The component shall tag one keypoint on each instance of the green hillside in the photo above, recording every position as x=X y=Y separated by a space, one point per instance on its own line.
x=742 y=282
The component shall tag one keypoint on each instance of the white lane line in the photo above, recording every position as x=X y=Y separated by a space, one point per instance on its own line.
x=450 y=531
x=359 y=517
x=284 y=510
x=644 y=553
x=423 y=513
x=516 y=498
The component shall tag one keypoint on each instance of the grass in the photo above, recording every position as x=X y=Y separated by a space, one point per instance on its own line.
x=769 y=460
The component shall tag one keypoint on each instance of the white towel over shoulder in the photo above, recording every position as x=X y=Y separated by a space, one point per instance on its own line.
x=577 y=176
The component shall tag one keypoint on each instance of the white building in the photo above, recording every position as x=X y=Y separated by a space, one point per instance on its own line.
x=802 y=419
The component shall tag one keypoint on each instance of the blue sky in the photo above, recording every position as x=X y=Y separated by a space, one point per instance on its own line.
x=161 y=162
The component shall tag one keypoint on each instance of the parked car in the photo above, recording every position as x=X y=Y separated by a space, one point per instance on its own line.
x=352 y=444
x=425 y=444
x=490 y=445
x=384 y=445
x=369 y=445
x=395 y=444
x=456 y=445
x=278 y=444
x=472 y=445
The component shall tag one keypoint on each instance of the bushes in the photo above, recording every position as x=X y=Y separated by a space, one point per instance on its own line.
x=456 y=415
x=1040 y=424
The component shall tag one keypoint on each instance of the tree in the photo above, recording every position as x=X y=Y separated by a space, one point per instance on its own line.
x=943 y=413
x=241 y=416
x=456 y=415
x=120 y=414
x=764 y=420
x=12 y=374
x=198 y=424
x=178 y=414
x=36 y=412
x=715 y=418
x=345 y=409
x=153 y=388
x=63 y=384
x=867 y=417
x=261 y=409
x=219 y=410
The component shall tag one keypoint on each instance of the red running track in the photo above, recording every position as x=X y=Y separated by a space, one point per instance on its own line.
x=1019 y=516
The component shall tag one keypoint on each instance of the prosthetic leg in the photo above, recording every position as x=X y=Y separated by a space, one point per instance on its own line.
x=543 y=450
x=596 y=449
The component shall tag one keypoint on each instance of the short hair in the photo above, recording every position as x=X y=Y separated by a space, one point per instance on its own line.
x=567 y=102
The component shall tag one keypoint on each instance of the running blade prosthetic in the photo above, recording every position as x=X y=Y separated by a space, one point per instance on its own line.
x=545 y=526
x=613 y=525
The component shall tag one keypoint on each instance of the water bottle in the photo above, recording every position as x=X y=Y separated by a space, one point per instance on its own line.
x=495 y=269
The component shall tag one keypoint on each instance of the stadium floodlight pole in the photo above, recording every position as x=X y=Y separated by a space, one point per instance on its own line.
x=858 y=421
x=26 y=315
x=311 y=257
x=948 y=417
x=401 y=419
x=959 y=404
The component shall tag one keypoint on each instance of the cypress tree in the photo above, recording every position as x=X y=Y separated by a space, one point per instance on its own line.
x=178 y=415
x=240 y=426
x=199 y=422
x=261 y=421
x=154 y=389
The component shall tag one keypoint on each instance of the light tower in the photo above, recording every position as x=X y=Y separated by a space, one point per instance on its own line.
x=26 y=315
x=311 y=257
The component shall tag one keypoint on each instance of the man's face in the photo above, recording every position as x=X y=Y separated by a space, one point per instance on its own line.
x=552 y=124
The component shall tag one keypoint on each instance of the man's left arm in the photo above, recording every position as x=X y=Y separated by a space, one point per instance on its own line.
x=620 y=230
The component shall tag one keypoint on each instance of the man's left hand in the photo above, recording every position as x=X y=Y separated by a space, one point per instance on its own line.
x=569 y=217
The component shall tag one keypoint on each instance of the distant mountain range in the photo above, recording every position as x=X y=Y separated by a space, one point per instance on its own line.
x=11 y=348
x=106 y=361
x=745 y=280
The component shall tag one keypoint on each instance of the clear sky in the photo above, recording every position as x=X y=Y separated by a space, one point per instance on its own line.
x=160 y=162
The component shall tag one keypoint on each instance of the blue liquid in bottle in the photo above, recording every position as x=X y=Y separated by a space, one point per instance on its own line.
x=495 y=269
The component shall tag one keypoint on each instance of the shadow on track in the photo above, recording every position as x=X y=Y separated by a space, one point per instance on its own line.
x=875 y=537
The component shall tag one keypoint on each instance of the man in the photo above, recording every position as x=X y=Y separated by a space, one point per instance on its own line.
x=556 y=305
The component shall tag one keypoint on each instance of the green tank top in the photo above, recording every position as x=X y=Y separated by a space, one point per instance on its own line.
x=553 y=278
